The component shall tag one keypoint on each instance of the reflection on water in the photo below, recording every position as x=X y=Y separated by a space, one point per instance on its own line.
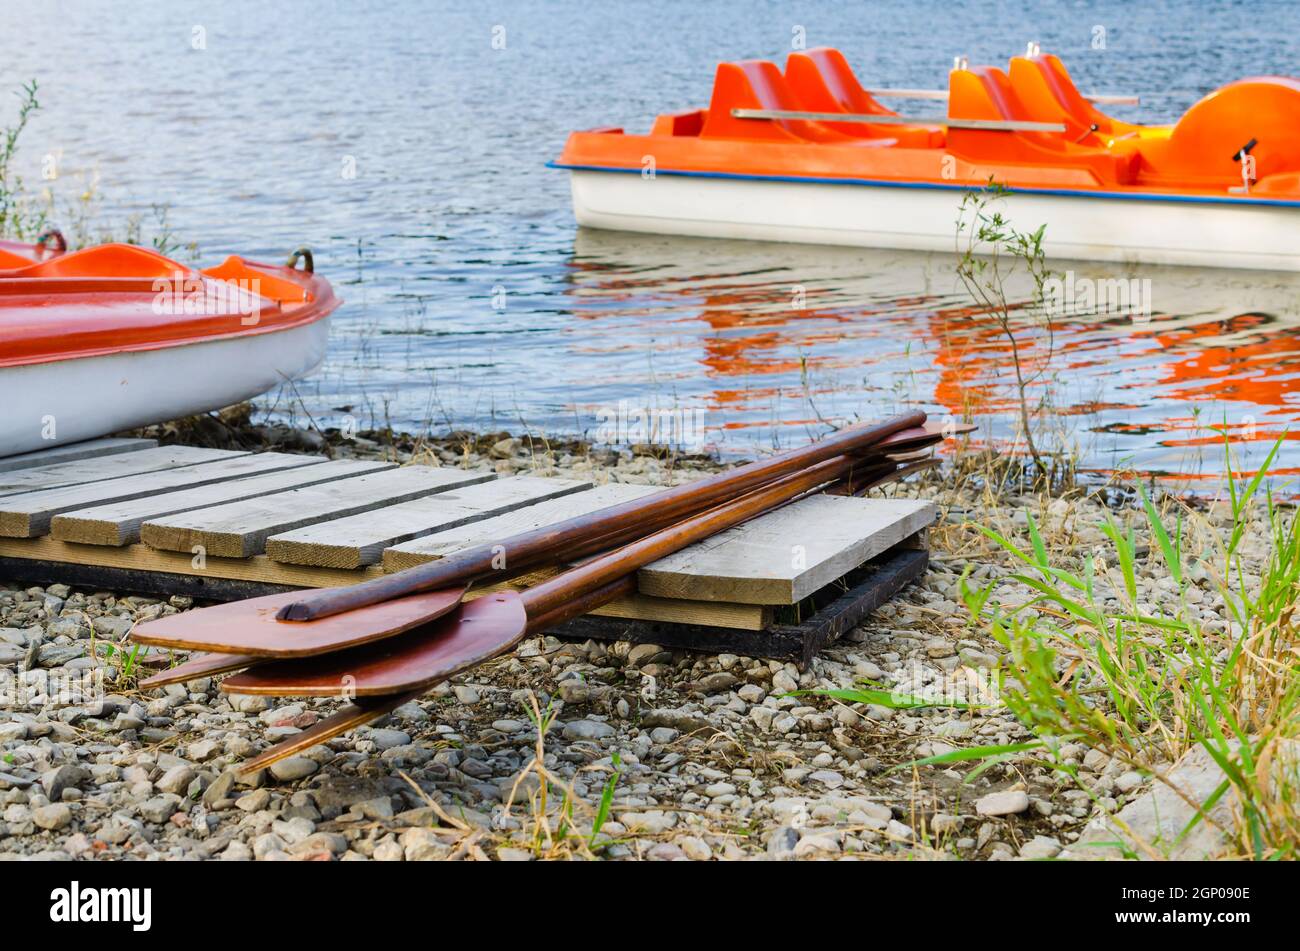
x=772 y=337
x=408 y=150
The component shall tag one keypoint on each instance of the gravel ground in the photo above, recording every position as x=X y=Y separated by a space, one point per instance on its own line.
x=706 y=756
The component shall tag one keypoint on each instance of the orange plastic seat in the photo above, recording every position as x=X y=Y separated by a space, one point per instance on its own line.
x=1048 y=94
x=758 y=84
x=1202 y=149
x=823 y=81
x=983 y=92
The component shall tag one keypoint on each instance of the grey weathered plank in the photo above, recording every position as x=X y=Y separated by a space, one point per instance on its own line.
x=240 y=529
x=786 y=555
x=39 y=478
x=118 y=523
x=89 y=449
x=442 y=543
x=28 y=514
x=358 y=540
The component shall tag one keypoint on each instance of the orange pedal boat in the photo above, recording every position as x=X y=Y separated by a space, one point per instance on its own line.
x=811 y=156
x=116 y=336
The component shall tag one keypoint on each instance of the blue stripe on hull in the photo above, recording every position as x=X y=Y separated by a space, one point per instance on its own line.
x=886 y=183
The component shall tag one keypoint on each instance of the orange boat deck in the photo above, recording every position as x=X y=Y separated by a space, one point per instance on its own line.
x=115 y=298
x=1238 y=144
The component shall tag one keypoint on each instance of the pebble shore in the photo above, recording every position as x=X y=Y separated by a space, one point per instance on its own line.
x=698 y=756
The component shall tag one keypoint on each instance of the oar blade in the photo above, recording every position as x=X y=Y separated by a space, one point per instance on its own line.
x=205 y=665
x=479 y=630
x=250 y=627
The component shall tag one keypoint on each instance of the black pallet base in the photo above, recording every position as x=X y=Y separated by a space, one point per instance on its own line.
x=862 y=591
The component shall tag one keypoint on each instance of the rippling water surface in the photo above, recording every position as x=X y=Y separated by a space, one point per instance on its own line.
x=472 y=299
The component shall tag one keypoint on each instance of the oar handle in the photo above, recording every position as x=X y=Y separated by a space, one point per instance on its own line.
x=569 y=589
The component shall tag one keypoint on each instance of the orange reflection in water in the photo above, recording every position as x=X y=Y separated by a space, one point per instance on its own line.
x=841 y=333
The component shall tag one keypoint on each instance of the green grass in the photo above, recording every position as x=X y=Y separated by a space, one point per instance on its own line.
x=1147 y=682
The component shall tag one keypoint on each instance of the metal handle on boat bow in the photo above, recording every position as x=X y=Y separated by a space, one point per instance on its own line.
x=308 y=263
x=984 y=125
x=53 y=235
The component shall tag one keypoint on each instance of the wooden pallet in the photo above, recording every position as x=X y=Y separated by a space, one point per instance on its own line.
x=219 y=525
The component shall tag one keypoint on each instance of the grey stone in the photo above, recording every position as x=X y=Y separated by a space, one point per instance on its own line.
x=219 y=789
x=52 y=817
x=421 y=845
x=293 y=831
x=1128 y=781
x=1006 y=803
x=176 y=780
x=56 y=780
x=1158 y=817
x=716 y=683
x=112 y=627
x=587 y=730
x=320 y=842
x=254 y=801
x=695 y=849
x=72 y=627
x=294 y=768
x=56 y=655
x=159 y=808
x=781 y=842
x=12 y=731
x=1040 y=847
x=387 y=739
x=641 y=653
x=652 y=822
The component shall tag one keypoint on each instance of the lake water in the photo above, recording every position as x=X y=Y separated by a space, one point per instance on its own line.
x=409 y=151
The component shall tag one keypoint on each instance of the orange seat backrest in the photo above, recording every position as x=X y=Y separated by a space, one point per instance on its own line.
x=1050 y=96
x=824 y=82
x=982 y=92
x=758 y=84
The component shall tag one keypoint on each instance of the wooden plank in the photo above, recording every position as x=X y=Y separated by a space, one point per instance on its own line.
x=73 y=451
x=145 y=560
x=39 y=478
x=786 y=555
x=240 y=529
x=358 y=540
x=29 y=514
x=118 y=523
x=441 y=544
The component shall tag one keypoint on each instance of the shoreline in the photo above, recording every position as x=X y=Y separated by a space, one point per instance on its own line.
x=701 y=745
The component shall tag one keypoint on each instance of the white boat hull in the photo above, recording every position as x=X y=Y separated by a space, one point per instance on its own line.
x=1087 y=228
x=48 y=404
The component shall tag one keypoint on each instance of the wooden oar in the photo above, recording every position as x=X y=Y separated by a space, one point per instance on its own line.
x=871 y=118
x=368 y=709
x=493 y=623
x=252 y=627
x=863 y=476
x=383 y=676
x=205 y=665
x=542 y=544
x=233 y=629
